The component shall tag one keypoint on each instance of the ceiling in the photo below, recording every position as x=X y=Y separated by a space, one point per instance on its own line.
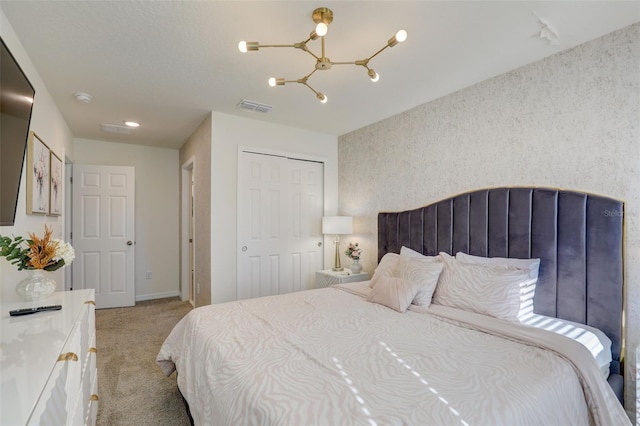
x=168 y=64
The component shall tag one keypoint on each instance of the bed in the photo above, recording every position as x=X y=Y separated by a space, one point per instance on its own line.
x=343 y=355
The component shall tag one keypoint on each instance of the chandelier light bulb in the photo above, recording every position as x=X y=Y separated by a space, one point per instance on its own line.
x=322 y=98
x=321 y=29
x=272 y=82
x=373 y=76
x=401 y=36
x=242 y=46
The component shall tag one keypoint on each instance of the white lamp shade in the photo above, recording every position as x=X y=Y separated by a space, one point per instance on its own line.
x=337 y=225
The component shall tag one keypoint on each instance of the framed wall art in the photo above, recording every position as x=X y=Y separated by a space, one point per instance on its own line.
x=38 y=175
x=55 y=192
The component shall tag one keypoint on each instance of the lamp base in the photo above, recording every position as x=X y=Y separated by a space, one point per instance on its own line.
x=337 y=264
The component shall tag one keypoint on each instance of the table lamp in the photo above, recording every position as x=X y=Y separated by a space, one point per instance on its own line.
x=337 y=225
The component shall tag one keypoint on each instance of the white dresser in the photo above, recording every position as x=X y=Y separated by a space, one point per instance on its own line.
x=48 y=369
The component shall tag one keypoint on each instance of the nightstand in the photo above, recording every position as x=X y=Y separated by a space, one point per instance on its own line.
x=329 y=277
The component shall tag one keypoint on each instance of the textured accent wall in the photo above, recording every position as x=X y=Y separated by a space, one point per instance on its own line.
x=570 y=121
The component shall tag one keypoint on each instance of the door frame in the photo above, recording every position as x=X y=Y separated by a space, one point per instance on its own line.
x=187 y=256
x=68 y=217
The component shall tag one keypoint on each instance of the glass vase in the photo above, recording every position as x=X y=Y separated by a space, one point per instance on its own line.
x=356 y=267
x=38 y=285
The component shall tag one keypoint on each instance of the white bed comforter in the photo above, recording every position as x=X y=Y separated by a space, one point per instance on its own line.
x=328 y=357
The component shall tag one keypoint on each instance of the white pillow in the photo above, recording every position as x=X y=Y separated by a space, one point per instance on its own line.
x=425 y=273
x=386 y=268
x=406 y=251
x=592 y=338
x=527 y=289
x=394 y=292
x=482 y=288
x=414 y=280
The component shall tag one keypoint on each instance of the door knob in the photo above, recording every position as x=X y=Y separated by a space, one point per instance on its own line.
x=319 y=244
x=129 y=243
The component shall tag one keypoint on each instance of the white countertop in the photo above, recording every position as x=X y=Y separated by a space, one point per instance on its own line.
x=29 y=348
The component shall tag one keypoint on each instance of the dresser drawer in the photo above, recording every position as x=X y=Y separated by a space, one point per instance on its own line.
x=69 y=395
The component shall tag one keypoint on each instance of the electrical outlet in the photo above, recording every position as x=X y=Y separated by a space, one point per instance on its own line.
x=149 y=275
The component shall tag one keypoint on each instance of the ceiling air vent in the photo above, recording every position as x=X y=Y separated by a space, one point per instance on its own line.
x=114 y=128
x=254 y=106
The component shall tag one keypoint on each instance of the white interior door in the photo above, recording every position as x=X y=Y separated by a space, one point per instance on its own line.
x=280 y=206
x=103 y=233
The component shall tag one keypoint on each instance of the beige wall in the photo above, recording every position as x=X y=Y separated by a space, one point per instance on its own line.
x=197 y=151
x=571 y=121
x=48 y=123
x=157 y=207
x=228 y=134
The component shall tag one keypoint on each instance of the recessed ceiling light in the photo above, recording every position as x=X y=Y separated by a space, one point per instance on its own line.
x=132 y=124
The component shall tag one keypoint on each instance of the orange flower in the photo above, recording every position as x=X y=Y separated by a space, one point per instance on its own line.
x=41 y=251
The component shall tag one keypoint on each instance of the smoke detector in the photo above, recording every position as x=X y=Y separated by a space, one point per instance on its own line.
x=83 y=97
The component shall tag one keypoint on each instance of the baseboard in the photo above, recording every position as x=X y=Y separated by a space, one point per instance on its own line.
x=143 y=297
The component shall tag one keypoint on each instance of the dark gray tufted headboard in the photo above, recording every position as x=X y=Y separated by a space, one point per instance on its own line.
x=577 y=236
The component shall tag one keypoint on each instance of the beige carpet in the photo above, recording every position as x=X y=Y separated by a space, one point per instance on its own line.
x=131 y=387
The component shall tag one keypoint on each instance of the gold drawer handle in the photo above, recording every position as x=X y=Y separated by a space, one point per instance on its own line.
x=93 y=397
x=69 y=356
x=93 y=350
x=90 y=302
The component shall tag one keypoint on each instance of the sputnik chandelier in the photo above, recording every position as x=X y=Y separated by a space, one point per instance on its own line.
x=322 y=16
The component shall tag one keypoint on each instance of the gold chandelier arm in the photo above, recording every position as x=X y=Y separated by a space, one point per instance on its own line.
x=376 y=54
x=345 y=63
x=306 y=77
x=321 y=97
x=307 y=84
x=276 y=45
x=312 y=54
x=303 y=46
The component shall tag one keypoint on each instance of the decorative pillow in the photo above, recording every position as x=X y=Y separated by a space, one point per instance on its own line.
x=482 y=288
x=386 y=268
x=393 y=292
x=527 y=289
x=425 y=273
x=406 y=251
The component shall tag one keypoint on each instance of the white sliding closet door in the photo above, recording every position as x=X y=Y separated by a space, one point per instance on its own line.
x=280 y=206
